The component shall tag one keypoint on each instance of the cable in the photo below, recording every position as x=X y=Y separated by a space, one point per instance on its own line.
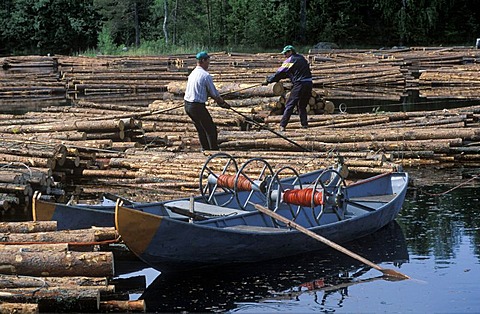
x=454 y=188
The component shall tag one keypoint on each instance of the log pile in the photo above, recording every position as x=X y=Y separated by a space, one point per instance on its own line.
x=110 y=136
x=141 y=80
x=44 y=270
x=151 y=153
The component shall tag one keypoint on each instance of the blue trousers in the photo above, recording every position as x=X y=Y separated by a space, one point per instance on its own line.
x=299 y=96
x=206 y=128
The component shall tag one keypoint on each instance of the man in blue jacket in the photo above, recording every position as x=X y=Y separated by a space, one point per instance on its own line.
x=297 y=69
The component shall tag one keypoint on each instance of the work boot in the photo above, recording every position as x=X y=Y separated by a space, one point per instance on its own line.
x=304 y=126
x=282 y=129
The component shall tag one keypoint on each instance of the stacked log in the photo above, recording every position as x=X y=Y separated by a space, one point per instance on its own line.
x=104 y=128
x=413 y=138
x=60 y=146
x=58 y=271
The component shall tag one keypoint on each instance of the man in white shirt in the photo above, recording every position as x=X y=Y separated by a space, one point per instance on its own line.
x=199 y=87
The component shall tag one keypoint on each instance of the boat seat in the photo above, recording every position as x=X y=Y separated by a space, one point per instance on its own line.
x=374 y=198
x=205 y=209
x=256 y=228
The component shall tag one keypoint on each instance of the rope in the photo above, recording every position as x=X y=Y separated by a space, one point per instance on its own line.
x=303 y=197
x=454 y=188
x=228 y=181
x=403 y=104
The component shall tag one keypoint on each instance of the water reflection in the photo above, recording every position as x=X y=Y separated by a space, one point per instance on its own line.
x=436 y=223
x=326 y=274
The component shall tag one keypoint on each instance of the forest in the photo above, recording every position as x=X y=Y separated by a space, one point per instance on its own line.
x=177 y=26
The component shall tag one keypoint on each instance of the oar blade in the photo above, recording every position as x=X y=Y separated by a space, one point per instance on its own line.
x=394 y=275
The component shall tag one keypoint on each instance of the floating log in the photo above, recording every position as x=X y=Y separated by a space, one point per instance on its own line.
x=56 y=299
x=13 y=308
x=14 y=281
x=44 y=247
x=28 y=226
x=96 y=264
x=235 y=90
x=87 y=236
x=123 y=306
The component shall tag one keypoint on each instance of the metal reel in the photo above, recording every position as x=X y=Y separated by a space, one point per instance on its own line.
x=276 y=188
x=255 y=173
x=215 y=165
x=331 y=188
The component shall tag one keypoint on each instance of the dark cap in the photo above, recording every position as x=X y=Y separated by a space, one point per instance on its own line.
x=202 y=55
x=288 y=48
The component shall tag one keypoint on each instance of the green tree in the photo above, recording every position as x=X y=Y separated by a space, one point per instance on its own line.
x=123 y=19
x=48 y=26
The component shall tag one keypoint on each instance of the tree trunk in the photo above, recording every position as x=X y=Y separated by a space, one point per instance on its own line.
x=57 y=299
x=81 y=236
x=13 y=308
x=95 y=264
x=137 y=24
x=123 y=306
x=303 y=20
x=165 y=20
x=27 y=226
x=14 y=281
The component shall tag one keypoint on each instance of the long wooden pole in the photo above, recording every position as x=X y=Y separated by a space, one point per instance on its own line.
x=387 y=272
x=269 y=129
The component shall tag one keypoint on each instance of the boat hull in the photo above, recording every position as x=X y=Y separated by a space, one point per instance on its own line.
x=171 y=245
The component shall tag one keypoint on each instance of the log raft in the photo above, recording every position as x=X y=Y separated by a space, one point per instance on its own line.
x=50 y=272
x=115 y=116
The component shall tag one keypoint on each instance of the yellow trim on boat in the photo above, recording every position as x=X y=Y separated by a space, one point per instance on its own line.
x=139 y=235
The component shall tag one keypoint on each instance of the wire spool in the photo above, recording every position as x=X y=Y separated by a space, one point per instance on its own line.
x=303 y=197
x=228 y=181
x=220 y=164
x=256 y=171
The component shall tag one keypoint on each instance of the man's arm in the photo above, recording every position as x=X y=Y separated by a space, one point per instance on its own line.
x=212 y=90
x=281 y=72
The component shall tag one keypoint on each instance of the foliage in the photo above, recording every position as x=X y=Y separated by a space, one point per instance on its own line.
x=163 y=26
x=47 y=26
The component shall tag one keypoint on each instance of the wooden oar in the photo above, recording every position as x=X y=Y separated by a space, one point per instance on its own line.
x=387 y=272
x=270 y=130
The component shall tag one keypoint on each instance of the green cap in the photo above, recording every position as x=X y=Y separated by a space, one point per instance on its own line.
x=288 y=48
x=202 y=55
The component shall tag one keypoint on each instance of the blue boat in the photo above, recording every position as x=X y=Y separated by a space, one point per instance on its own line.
x=215 y=199
x=282 y=279
x=321 y=202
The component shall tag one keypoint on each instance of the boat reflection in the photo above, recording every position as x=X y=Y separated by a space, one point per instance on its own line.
x=329 y=271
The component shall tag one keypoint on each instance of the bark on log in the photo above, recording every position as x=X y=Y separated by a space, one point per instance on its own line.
x=44 y=247
x=30 y=161
x=56 y=299
x=107 y=125
x=14 y=308
x=123 y=306
x=234 y=90
x=28 y=226
x=14 y=281
x=23 y=189
x=63 y=236
x=95 y=264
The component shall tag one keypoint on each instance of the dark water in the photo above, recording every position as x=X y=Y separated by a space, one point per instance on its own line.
x=435 y=241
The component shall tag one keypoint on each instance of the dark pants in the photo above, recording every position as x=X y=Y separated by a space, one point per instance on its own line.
x=299 y=96
x=206 y=129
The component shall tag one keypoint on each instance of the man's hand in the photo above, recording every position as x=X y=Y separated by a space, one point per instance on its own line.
x=224 y=105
